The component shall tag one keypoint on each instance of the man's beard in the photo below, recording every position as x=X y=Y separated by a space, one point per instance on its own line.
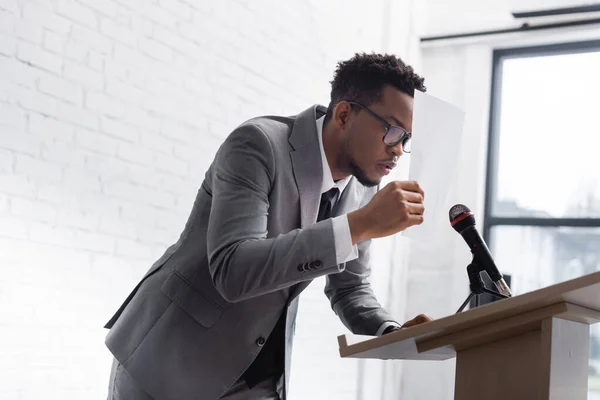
x=361 y=176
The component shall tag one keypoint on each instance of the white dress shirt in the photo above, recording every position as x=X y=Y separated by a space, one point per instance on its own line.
x=344 y=249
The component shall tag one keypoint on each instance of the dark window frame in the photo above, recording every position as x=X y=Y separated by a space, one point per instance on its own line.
x=489 y=220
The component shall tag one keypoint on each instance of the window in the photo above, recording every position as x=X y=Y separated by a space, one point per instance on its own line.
x=542 y=218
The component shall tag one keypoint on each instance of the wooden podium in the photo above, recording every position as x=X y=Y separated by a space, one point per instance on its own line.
x=532 y=346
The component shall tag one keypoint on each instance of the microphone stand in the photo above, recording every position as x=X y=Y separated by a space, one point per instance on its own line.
x=477 y=286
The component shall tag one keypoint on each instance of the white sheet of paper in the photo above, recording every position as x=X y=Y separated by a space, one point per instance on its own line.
x=437 y=133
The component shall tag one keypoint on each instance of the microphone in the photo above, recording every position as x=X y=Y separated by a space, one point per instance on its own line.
x=463 y=221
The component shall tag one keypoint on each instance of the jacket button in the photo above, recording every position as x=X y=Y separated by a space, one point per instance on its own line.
x=317 y=264
x=260 y=341
x=301 y=267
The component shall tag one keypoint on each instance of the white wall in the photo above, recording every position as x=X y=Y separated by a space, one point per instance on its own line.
x=110 y=113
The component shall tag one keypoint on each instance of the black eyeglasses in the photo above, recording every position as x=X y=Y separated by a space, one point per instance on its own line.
x=394 y=134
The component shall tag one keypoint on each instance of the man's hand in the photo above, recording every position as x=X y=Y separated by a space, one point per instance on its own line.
x=394 y=208
x=419 y=319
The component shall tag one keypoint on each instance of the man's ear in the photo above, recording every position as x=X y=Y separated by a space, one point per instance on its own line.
x=341 y=114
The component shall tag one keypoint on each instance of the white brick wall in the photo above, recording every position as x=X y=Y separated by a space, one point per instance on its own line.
x=110 y=113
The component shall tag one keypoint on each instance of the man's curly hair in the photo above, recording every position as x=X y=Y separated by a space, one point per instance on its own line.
x=363 y=77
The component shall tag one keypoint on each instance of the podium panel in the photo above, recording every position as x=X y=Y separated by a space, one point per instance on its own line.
x=531 y=346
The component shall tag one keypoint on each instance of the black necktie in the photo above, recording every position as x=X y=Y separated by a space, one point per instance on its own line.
x=327 y=200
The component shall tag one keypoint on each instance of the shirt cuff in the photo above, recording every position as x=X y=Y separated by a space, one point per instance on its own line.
x=344 y=249
x=384 y=326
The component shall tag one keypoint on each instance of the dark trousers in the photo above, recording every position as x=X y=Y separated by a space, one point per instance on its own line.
x=123 y=387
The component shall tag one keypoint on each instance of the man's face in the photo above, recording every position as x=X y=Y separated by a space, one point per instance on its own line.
x=364 y=147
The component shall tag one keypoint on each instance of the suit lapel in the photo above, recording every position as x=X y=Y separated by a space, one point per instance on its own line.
x=306 y=163
x=308 y=173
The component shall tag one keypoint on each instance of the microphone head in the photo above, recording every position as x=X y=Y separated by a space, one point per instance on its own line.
x=461 y=217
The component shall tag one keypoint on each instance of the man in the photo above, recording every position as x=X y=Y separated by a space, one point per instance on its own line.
x=286 y=200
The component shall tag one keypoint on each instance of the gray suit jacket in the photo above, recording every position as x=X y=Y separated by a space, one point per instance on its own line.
x=193 y=324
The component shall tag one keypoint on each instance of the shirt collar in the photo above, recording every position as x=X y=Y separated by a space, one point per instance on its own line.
x=328 y=182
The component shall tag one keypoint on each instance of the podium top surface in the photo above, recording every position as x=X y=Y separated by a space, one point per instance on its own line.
x=583 y=291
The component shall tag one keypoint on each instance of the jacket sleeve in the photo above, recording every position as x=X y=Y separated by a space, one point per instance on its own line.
x=243 y=262
x=352 y=297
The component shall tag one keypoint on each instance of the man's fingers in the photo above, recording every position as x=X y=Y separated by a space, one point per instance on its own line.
x=412 y=186
x=413 y=197
x=415 y=219
x=423 y=318
x=416 y=208
x=419 y=319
